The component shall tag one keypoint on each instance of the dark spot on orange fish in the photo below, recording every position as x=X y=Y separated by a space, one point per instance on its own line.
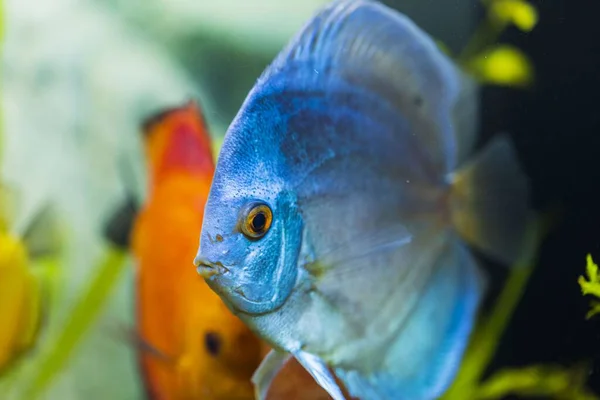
x=212 y=343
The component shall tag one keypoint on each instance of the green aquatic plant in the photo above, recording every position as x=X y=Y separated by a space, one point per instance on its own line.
x=539 y=381
x=591 y=285
x=500 y=64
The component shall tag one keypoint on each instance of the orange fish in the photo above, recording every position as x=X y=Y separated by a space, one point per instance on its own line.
x=191 y=345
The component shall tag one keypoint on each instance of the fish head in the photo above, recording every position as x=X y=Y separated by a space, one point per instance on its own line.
x=252 y=228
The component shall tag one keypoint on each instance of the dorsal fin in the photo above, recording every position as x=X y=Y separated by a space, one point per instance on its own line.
x=178 y=139
x=374 y=47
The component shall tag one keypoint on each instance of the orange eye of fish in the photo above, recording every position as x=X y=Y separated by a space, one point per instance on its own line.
x=257 y=220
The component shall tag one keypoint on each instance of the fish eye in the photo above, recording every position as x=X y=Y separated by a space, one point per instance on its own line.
x=212 y=343
x=256 y=220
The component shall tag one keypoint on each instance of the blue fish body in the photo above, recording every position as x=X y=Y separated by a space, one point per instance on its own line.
x=342 y=200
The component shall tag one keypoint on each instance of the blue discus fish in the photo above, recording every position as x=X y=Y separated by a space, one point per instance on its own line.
x=342 y=200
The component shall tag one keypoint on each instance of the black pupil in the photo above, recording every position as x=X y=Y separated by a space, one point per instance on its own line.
x=259 y=221
x=212 y=342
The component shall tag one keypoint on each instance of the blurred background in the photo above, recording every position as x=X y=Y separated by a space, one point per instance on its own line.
x=79 y=77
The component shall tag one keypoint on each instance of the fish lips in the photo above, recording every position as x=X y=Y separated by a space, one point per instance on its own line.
x=207 y=269
x=246 y=294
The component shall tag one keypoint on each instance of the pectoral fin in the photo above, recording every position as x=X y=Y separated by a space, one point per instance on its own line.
x=267 y=371
x=317 y=368
x=130 y=336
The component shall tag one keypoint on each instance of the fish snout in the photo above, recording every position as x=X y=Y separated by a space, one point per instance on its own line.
x=207 y=269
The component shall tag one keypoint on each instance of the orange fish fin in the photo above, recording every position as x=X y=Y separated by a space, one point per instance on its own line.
x=130 y=336
x=117 y=229
x=178 y=138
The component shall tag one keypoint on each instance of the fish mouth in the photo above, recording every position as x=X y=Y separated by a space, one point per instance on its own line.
x=208 y=269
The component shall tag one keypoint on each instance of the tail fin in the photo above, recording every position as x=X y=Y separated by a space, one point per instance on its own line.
x=490 y=203
x=178 y=139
